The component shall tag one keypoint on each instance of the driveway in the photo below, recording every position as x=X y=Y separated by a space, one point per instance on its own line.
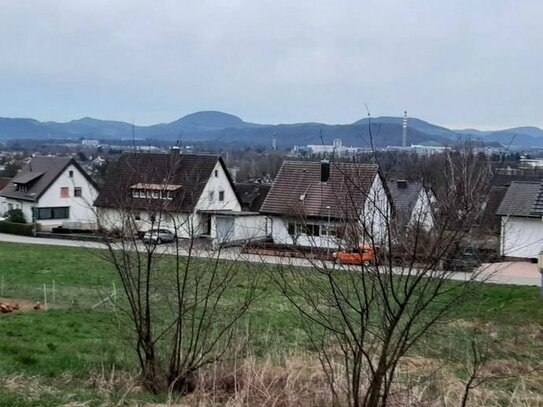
x=514 y=273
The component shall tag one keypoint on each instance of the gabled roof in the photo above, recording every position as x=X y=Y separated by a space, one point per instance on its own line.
x=404 y=195
x=523 y=199
x=252 y=195
x=189 y=172
x=37 y=176
x=298 y=190
x=490 y=219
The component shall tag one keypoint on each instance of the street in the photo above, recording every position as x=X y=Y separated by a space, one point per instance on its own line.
x=514 y=273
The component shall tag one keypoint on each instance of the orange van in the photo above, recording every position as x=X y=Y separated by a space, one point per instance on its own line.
x=362 y=254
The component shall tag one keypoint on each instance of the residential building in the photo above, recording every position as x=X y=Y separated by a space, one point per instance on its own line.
x=327 y=205
x=521 y=212
x=413 y=203
x=53 y=192
x=190 y=194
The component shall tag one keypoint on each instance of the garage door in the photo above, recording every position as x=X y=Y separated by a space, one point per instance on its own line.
x=225 y=229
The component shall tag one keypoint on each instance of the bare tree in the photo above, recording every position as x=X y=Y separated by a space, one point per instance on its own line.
x=182 y=310
x=363 y=319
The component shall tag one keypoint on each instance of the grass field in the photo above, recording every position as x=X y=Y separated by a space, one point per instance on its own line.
x=77 y=354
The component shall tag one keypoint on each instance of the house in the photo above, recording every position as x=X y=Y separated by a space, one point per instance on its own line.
x=413 y=203
x=190 y=194
x=326 y=205
x=53 y=192
x=521 y=211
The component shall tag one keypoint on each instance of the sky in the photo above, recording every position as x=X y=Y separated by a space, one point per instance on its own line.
x=457 y=63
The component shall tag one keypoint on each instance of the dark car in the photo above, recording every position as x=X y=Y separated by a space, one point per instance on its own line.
x=466 y=261
x=159 y=236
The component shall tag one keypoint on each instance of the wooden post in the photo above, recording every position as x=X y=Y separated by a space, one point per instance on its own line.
x=54 y=292
x=2 y=294
x=44 y=296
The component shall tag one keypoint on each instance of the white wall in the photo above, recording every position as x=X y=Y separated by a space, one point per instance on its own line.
x=422 y=211
x=184 y=224
x=376 y=214
x=81 y=209
x=374 y=217
x=521 y=237
x=216 y=184
x=243 y=228
x=280 y=235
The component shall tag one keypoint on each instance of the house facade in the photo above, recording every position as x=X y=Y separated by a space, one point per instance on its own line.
x=521 y=220
x=191 y=195
x=53 y=192
x=413 y=204
x=327 y=205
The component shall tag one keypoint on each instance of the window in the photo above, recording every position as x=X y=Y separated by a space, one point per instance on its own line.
x=211 y=196
x=77 y=192
x=221 y=196
x=10 y=207
x=52 y=213
x=308 y=229
x=216 y=173
x=64 y=192
x=71 y=173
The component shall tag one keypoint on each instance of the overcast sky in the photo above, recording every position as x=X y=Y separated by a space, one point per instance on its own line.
x=459 y=63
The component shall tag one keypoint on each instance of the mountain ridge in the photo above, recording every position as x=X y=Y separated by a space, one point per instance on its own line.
x=221 y=127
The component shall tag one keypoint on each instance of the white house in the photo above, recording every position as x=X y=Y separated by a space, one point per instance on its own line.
x=190 y=194
x=413 y=203
x=521 y=211
x=53 y=192
x=326 y=205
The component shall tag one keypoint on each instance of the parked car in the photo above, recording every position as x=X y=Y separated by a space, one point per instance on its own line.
x=467 y=261
x=158 y=236
x=357 y=255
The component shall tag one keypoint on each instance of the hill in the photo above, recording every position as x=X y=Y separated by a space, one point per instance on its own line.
x=220 y=127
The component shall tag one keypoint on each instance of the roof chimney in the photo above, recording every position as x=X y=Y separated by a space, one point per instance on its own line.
x=325 y=171
x=401 y=183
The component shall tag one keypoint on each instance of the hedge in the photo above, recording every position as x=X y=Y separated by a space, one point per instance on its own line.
x=24 y=229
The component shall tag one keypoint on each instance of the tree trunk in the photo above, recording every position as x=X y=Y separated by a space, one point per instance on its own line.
x=153 y=376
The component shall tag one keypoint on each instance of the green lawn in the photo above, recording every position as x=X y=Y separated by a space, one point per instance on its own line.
x=59 y=356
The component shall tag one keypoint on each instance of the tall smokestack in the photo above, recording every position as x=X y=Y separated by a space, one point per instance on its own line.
x=404 y=133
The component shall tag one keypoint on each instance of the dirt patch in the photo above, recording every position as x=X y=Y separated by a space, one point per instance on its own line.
x=24 y=305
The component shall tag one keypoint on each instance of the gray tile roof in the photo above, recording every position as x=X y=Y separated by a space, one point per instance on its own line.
x=404 y=199
x=252 y=195
x=522 y=199
x=298 y=191
x=490 y=219
x=37 y=176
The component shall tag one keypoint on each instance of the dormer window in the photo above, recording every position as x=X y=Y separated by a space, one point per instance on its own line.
x=154 y=191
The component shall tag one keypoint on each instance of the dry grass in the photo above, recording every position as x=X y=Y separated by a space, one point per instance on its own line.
x=297 y=380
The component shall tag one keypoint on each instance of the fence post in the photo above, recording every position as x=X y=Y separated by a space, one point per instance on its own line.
x=44 y=296
x=54 y=292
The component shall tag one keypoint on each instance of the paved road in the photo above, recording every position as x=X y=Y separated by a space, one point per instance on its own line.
x=520 y=273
